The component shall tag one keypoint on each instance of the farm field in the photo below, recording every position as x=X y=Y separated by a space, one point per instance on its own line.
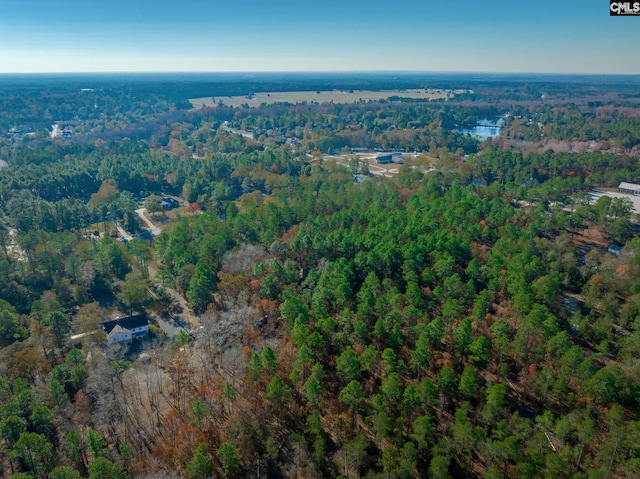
x=334 y=96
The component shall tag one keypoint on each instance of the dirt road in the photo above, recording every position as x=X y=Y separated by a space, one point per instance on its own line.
x=155 y=231
x=182 y=317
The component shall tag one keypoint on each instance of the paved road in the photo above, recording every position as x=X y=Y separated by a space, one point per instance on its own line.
x=155 y=231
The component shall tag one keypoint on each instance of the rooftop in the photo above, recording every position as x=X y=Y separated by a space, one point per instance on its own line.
x=130 y=322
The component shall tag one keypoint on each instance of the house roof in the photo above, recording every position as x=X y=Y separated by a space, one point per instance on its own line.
x=130 y=322
x=628 y=186
x=118 y=329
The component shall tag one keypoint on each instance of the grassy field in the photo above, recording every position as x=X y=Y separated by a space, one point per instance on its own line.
x=334 y=96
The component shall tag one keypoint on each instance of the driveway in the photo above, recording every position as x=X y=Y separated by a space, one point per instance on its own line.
x=182 y=317
x=155 y=231
x=123 y=233
x=171 y=326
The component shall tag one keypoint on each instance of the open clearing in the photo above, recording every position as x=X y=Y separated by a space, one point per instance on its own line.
x=335 y=96
x=375 y=169
x=381 y=170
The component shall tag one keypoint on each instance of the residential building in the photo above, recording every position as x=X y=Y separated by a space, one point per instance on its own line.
x=126 y=329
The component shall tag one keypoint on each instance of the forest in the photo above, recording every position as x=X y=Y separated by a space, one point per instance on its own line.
x=474 y=315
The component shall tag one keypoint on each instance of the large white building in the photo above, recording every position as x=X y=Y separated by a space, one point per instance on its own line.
x=631 y=188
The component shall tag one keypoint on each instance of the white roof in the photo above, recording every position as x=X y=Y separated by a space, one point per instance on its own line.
x=118 y=329
x=628 y=186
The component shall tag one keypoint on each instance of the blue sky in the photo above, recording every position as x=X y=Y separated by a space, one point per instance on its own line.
x=575 y=36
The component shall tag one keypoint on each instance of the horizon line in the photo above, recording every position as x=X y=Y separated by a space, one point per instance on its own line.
x=266 y=72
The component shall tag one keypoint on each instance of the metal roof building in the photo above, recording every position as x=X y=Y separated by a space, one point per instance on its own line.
x=629 y=188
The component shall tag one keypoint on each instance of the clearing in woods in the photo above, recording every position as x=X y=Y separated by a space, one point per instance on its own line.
x=335 y=96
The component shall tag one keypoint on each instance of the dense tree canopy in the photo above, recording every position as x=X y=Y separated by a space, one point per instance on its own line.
x=462 y=318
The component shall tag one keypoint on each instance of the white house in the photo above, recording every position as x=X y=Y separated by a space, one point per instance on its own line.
x=126 y=329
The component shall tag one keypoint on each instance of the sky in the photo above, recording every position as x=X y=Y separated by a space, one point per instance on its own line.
x=541 y=36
